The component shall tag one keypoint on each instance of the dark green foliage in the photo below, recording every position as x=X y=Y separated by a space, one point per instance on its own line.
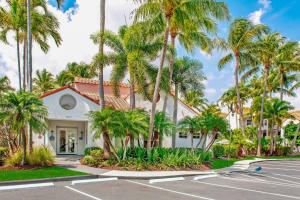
x=3 y=154
x=160 y=158
x=218 y=151
x=88 y=150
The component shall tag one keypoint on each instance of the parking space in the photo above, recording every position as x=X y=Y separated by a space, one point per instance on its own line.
x=273 y=182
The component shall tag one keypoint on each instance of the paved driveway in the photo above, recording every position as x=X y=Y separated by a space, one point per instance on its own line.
x=278 y=180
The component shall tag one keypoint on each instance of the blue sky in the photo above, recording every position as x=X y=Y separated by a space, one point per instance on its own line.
x=280 y=15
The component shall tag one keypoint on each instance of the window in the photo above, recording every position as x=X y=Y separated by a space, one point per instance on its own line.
x=182 y=135
x=67 y=102
x=249 y=122
x=196 y=135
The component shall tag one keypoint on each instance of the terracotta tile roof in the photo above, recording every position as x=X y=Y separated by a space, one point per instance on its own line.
x=296 y=114
x=95 y=82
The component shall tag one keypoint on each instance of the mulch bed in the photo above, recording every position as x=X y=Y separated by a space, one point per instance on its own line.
x=26 y=167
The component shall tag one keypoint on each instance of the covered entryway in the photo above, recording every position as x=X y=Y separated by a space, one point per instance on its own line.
x=67 y=140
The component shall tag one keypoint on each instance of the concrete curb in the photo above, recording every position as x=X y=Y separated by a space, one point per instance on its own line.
x=46 y=180
x=144 y=176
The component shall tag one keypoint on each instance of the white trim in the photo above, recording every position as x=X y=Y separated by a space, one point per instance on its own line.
x=94 y=180
x=14 y=187
x=166 y=180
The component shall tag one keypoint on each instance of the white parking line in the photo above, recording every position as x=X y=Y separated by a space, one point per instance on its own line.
x=94 y=180
x=263 y=181
x=294 y=182
x=83 y=193
x=281 y=169
x=249 y=190
x=172 y=191
x=14 y=187
x=278 y=165
x=161 y=180
x=204 y=177
x=293 y=177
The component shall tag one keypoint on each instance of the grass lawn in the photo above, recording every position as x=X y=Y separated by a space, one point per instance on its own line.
x=218 y=164
x=40 y=173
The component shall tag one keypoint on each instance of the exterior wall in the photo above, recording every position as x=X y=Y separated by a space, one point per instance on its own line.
x=53 y=125
x=79 y=113
x=183 y=111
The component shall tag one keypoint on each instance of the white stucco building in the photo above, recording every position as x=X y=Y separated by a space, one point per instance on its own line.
x=68 y=123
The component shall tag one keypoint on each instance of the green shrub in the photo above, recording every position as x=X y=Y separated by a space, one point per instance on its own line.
x=3 y=154
x=283 y=151
x=15 y=159
x=218 y=150
x=41 y=156
x=88 y=150
x=231 y=151
x=95 y=157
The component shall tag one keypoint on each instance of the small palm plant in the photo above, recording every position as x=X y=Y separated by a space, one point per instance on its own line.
x=190 y=125
x=163 y=125
x=21 y=109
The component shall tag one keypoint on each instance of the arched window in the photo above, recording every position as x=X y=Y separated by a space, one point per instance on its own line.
x=67 y=102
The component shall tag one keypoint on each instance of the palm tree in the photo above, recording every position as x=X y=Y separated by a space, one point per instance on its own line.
x=190 y=125
x=108 y=123
x=187 y=76
x=4 y=85
x=196 y=100
x=81 y=69
x=21 y=109
x=286 y=62
x=177 y=17
x=242 y=34
x=65 y=78
x=132 y=53
x=11 y=20
x=276 y=111
x=163 y=125
x=43 y=82
x=266 y=49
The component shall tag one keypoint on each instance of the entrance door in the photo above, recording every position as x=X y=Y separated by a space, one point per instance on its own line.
x=67 y=140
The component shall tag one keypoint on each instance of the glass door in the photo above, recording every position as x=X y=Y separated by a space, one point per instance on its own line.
x=67 y=140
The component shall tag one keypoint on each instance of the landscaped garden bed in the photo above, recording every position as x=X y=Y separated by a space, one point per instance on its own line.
x=159 y=159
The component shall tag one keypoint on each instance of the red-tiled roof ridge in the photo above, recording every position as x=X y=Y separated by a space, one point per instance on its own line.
x=95 y=82
x=69 y=87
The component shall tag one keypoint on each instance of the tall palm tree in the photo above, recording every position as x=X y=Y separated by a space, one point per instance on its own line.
x=287 y=61
x=43 y=82
x=276 y=111
x=266 y=49
x=132 y=52
x=12 y=20
x=187 y=76
x=176 y=17
x=196 y=100
x=242 y=34
x=20 y=109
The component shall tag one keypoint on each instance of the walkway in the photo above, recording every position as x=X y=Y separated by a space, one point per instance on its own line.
x=72 y=162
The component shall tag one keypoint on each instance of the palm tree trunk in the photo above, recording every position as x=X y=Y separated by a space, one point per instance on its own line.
x=106 y=146
x=261 y=120
x=101 y=52
x=132 y=105
x=24 y=66
x=156 y=89
x=18 y=57
x=212 y=141
x=23 y=162
x=295 y=136
x=29 y=45
x=272 y=138
x=171 y=69
x=281 y=86
x=175 y=110
x=240 y=109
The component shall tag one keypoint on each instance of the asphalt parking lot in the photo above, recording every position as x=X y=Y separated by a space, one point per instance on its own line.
x=278 y=180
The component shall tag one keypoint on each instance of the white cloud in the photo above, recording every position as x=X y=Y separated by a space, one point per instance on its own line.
x=76 y=45
x=256 y=16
